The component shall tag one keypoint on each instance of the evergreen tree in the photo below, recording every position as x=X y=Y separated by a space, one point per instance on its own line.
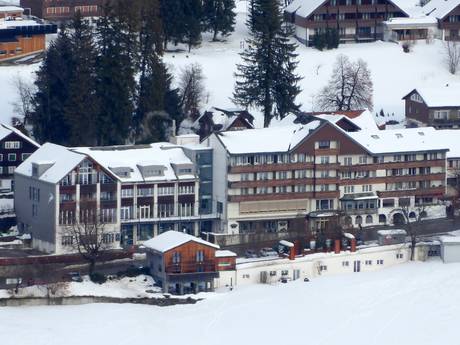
x=192 y=23
x=152 y=117
x=219 y=17
x=115 y=84
x=173 y=17
x=81 y=107
x=267 y=78
x=52 y=83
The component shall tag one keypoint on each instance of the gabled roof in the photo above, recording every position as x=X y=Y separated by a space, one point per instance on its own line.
x=440 y=8
x=266 y=140
x=437 y=97
x=6 y=130
x=62 y=159
x=172 y=239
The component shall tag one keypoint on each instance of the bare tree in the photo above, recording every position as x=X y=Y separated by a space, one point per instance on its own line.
x=350 y=87
x=23 y=105
x=413 y=224
x=452 y=56
x=191 y=89
x=89 y=236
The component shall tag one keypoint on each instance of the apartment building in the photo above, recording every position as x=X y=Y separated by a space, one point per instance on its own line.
x=63 y=10
x=137 y=191
x=313 y=172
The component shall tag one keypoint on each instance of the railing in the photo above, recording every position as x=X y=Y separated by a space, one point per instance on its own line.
x=191 y=267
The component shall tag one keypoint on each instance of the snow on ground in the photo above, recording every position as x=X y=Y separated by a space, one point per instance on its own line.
x=394 y=72
x=122 y=288
x=415 y=303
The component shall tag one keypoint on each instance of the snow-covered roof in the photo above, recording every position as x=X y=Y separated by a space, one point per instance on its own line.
x=392 y=232
x=4 y=9
x=440 y=96
x=410 y=7
x=6 y=130
x=450 y=239
x=407 y=22
x=172 y=239
x=135 y=158
x=303 y=8
x=224 y=253
x=265 y=140
x=220 y=117
x=449 y=138
x=440 y=8
x=399 y=140
x=61 y=159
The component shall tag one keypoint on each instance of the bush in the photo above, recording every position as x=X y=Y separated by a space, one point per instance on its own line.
x=98 y=278
x=136 y=271
x=329 y=39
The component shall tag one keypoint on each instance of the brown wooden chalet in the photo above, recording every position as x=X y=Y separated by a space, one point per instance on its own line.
x=219 y=120
x=434 y=106
x=183 y=264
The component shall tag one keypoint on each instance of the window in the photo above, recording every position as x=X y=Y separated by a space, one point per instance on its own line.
x=358 y=220
x=327 y=204
x=323 y=268
x=324 y=159
x=368 y=262
x=369 y=219
x=347 y=161
x=349 y=189
x=284 y=272
x=324 y=144
x=366 y=188
x=12 y=145
x=66 y=240
x=397 y=158
x=145 y=191
x=165 y=190
x=272 y=273
x=11 y=170
x=416 y=98
x=380 y=262
x=11 y=157
x=345 y=264
x=399 y=256
x=127 y=193
x=246 y=177
x=362 y=159
x=186 y=189
x=176 y=258
x=34 y=210
x=199 y=256
x=246 y=276
x=441 y=114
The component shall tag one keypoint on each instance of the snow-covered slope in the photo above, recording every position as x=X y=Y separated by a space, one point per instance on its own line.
x=415 y=303
x=394 y=72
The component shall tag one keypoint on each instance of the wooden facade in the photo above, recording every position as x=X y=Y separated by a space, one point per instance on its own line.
x=63 y=10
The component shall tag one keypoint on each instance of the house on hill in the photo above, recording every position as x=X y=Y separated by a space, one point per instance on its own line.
x=184 y=264
x=64 y=10
x=220 y=120
x=433 y=106
x=15 y=148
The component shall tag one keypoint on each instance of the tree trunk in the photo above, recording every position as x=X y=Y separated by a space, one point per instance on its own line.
x=92 y=265
x=412 y=248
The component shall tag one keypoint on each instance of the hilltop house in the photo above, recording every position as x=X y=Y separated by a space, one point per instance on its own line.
x=433 y=106
x=63 y=10
x=15 y=148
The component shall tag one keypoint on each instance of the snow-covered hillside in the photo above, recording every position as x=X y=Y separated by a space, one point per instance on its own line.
x=394 y=72
x=415 y=303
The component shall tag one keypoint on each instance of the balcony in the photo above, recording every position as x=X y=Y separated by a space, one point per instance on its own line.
x=191 y=267
x=433 y=191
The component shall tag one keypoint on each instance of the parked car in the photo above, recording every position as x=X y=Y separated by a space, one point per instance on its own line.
x=267 y=252
x=250 y=254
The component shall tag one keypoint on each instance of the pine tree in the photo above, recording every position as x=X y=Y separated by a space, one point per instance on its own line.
x=219 y=17
x=115 y=85
x=173 y=17
x=52 y=83
x=192 y=23
x=267 y=78
x=81 y=107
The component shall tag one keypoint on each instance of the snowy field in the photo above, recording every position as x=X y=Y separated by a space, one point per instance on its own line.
x=415 y=303
x=394 y=73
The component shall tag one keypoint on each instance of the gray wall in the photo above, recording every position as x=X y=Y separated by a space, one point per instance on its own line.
x=450 y=252
x=42 y=226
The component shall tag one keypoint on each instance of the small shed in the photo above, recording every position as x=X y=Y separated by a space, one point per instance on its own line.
x=450 y=249
x=393 y=236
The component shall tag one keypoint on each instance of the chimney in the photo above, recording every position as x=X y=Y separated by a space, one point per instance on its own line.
x=292 y=253
x=337 y=246
x=353 y=245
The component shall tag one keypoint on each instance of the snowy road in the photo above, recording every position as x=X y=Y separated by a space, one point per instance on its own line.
x=417 y=303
